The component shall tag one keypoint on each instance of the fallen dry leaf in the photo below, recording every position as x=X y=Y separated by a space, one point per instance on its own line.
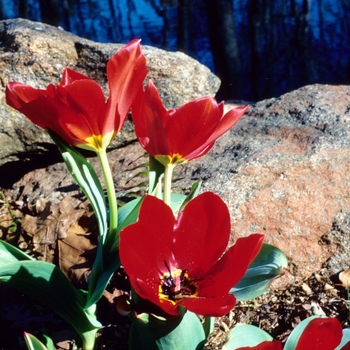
x=50 y=223
x=76 y=255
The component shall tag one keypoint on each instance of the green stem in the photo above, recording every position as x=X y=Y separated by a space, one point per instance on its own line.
x=168 y=174
x=112 y=199
x=89 y=339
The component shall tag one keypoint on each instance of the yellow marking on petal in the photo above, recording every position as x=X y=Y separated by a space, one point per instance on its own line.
x=175 y=286
x=166 y=275
x=176 y=158
x=98 y=142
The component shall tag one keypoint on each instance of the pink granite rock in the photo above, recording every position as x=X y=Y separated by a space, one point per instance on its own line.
x=283 y=170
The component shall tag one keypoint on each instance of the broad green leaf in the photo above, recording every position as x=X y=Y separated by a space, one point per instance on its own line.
x=127 y=215
x=48 y=342
x=245 y=335
x=176 y=200
x=9 y=253
x=193 y=193
x=293 y=338
x=345 y=339
x=125 y=210
x=266 y=266
x=33 y=343
x=156 y=170
x=85 y=175
x=46 y=283
x=102 y=279
x=180 y=333
x=208 y=326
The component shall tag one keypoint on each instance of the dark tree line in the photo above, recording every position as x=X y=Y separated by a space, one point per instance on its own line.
x=259 y=48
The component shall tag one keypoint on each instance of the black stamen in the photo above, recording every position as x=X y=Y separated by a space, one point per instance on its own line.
x=175 y=292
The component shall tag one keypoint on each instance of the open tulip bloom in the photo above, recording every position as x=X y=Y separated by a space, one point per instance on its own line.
x=179 y=135
x=76 y=109
x=180 y=262
x=315 y=332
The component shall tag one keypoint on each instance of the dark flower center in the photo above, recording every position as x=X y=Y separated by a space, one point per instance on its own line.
x=176 y=284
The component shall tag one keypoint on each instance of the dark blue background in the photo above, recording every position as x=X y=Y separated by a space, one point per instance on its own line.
x=280 y=44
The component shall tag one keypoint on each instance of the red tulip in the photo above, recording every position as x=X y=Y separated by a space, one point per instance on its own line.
x=179 y=262
x=180 y=135
x=321 y=333
x=76 y=109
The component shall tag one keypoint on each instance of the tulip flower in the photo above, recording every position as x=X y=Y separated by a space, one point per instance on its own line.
x=321 y=333
x=179 y=135
x=178 y=263
x=76 y=109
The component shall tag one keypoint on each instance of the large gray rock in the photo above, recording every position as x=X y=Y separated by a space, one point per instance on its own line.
x=36 y=54
x=283 y=170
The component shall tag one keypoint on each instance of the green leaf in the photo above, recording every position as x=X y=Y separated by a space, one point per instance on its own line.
x=127 y=215
x=156 y=170
x=9 y=253
x=181 y=333
x=245 y=335
x=85 y=175
x=193 y=193
x=33 y=343
x=266 y=266
x=208 y=326
x=102 y=279
x=176 y=200
x=46 y=283
x=48 y=342
x=293 y=338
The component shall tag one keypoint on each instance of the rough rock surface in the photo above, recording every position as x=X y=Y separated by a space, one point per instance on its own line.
x=36 y=54
x=283 y=170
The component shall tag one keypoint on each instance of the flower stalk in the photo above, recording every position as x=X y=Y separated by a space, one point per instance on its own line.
x=112 y=199
x=168 y=174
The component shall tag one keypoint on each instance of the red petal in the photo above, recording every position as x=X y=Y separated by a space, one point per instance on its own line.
x=346 y=346
x=227 y=122
x=224 y=123
x=231 y=267
x=321 y=333
x=70 y=75
x=150 y=118
x=145 y=245
x=216 y=307
x=18 y=94
x=86 y=102
x=33 y=103
x=191 y=125
x=201 y=233
x=126 y=71
x=265 y=345
x=189 y=131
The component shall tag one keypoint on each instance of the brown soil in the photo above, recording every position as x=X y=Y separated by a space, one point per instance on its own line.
x=65 y=234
